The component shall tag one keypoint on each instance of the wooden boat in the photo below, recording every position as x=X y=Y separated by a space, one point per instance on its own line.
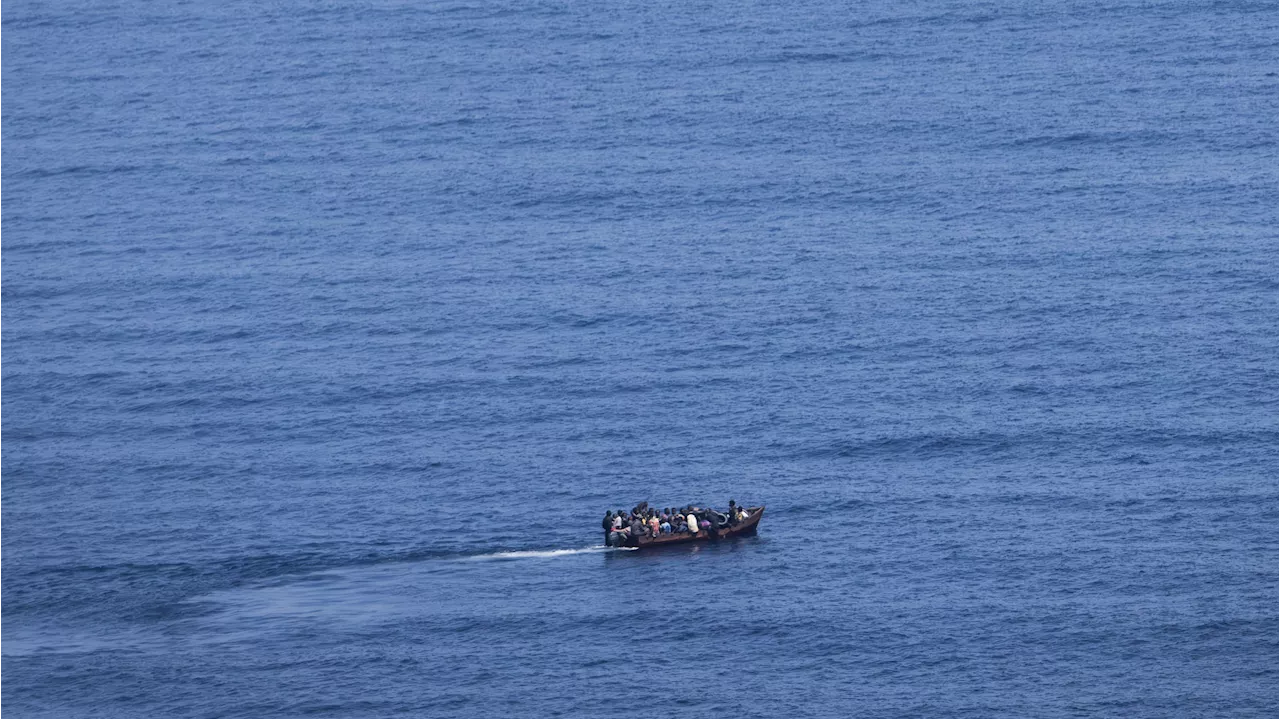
x=744 y=528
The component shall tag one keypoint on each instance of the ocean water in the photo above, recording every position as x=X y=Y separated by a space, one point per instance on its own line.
x=331 y=330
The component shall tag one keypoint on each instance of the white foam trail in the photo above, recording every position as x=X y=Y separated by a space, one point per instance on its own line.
x=547 y=553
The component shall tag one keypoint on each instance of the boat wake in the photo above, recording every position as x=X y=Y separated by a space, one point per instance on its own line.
x=364 y=594
x=546 y=553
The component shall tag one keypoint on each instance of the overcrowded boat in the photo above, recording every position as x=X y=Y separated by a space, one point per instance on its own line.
x=646 y=526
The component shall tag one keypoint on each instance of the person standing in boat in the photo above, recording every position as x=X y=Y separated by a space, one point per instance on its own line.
x=607 y=525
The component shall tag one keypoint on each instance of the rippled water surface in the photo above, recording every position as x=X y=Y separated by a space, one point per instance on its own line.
x=331 y=330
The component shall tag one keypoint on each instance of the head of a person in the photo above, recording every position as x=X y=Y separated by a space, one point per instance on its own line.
x=731 y=504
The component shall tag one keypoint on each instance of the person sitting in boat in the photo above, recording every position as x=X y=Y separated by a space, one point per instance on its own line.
x=691 y=522
x=621 y=527
x=654 y=525
x=618 y=535
x=733 y=513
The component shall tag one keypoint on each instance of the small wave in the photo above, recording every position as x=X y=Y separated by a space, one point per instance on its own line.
x=43 y=172
x=547 y=553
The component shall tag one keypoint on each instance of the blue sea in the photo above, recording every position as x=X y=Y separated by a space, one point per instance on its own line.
x=331 y=331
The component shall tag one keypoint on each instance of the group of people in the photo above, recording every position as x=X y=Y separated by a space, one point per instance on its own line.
x=644 y=521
